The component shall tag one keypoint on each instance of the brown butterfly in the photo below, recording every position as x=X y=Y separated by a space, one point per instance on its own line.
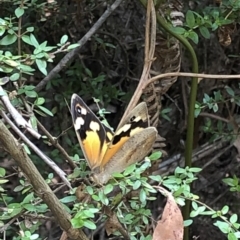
x=107 y=152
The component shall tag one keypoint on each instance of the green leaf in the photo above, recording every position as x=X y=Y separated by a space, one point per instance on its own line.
x=195 y=170
x=3 y=81
x=230 y=91
x=2 y=181
x=194 y=205
x=42 y=65
x=190 y=19
x=2 y=30
x=11 y=63
x=29 y=87
x=15 y=77
x=89 y=190
x=155 y=156
x=6 y=69
x=39 y=101
x=18 y=188
x=45 y=110
x=129 y=169
x=19 y=12
x=215 y=107
x=234 y=218
x=197 y=112
x=117 y=175
x=223 y=226
x=14 y=208
x=205 y=32
x=8 y=40
x=31 y=94
x=136 y=185
x=229 y=181
x=107 y=189
x=48 y=48
x=142 y=195
x=178 y=30
x=34 y=236
x=208 y=213
x=231 y=236
x=237 y=234
x=26 y=69
x=188 y=222
x=145 y=220
x=34 y=40
x=28 y=198
x=64 y=39
x=43 y=45
x=77 y=223
x=2 y=92
x=225 y=210
x=193 y=36
x=30 y=29
x=72 y=46
x=29 y=207
x=103 y=198
x=68 y=199
x=27 y=40
x=89 y=224
x=88 y=72
x=156 y=178
x=33 y=121
x=2 y=172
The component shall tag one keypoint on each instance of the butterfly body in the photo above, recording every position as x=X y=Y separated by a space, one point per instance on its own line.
x=107 y=152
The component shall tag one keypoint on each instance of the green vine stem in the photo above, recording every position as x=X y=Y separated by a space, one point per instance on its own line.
x=193 y=93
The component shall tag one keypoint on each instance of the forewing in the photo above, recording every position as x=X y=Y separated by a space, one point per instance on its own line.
x=90 y=132
x=139 y=112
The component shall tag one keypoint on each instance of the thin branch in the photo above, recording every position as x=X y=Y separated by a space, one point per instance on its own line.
x=55 y=143
x=46 y=159
x=199 y=75
x=20 y=121
x=210 y=115
x=70 y=56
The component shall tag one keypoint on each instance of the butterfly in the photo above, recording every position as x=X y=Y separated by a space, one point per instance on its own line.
x=107 y=152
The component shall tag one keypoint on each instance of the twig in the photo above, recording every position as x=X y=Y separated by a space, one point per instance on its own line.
x=199 y=75
x=46 y=159
x=205 y=114
x=55 y=143
x=69 y=57
x=20 y=121
x=220 y=153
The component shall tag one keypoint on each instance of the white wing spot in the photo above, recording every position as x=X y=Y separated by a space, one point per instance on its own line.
x=83 y=111
x=78 y=123
x=94 y=126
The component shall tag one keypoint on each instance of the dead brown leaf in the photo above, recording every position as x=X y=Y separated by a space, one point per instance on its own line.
x=170 y=227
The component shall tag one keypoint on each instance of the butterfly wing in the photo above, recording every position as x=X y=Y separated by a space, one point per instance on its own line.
x=132 y=151
x=139 y=112
x=90 y=132
x=136 y=121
